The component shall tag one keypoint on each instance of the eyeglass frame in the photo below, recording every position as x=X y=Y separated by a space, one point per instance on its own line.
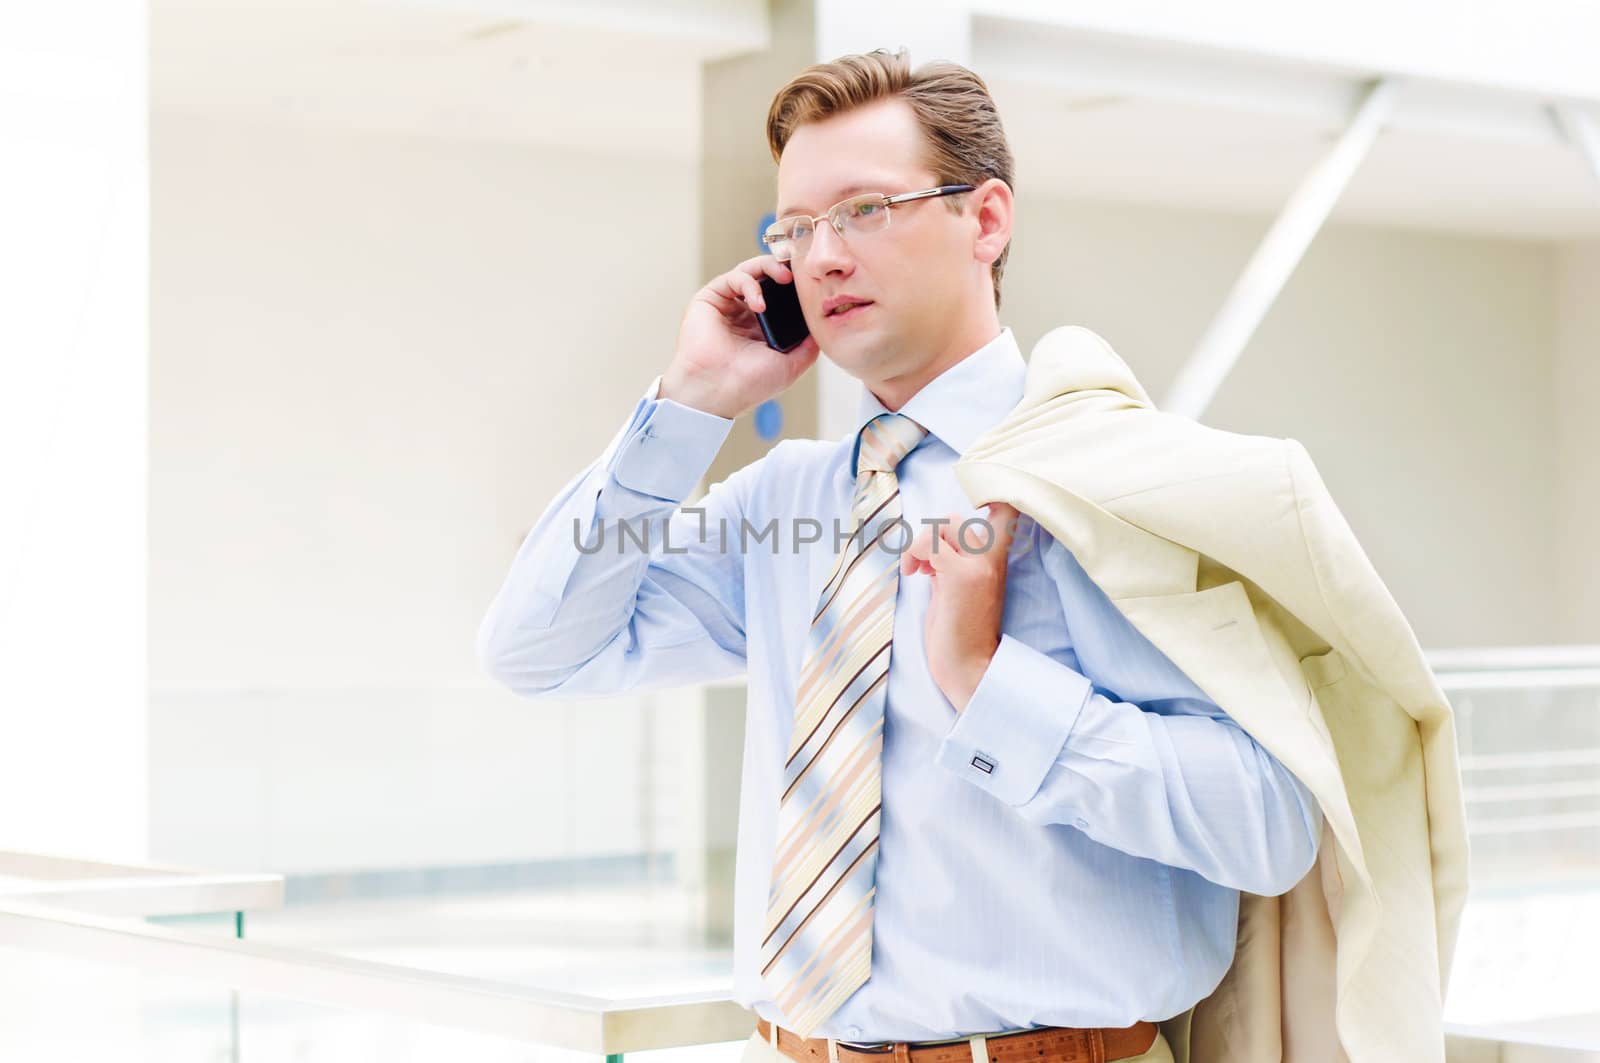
x=838 y=227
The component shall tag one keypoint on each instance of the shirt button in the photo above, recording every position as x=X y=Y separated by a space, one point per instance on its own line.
x=1081 y=824
x=854 y=1032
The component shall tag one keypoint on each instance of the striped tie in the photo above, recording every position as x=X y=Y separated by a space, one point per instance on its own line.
x=817 y=939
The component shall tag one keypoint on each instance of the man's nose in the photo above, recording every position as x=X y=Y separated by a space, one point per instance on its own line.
x=827 y=252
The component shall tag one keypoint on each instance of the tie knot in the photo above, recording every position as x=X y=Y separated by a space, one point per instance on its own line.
x=886 y=439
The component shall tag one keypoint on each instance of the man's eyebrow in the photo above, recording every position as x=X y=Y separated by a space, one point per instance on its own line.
x=844 y=193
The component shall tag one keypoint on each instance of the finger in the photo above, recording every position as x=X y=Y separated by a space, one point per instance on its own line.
x=743 y=281
x=745 y=287
x=963 y=538
x=717 y=295
x=915 y=557
x=734 y=286
x=969 y=534
x=802 y=357
x=936 y=551
x=916 y=551
x=768 y=266
x=722 y=299
x=1003 y=518
x=950 y=532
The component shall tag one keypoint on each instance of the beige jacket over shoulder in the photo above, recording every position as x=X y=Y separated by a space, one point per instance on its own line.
x=1227 y=552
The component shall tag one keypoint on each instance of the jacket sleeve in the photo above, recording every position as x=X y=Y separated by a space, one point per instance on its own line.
x=616 y=587
x=1170 y=778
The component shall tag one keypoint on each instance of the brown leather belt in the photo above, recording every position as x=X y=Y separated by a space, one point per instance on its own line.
x=1047 y=1044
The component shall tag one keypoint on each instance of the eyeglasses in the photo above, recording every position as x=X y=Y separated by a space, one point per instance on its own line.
x=789 y=237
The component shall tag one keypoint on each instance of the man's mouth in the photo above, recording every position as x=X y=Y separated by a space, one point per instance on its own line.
x=845 y=310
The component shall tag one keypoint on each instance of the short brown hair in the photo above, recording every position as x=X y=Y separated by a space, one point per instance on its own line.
x=966 y=144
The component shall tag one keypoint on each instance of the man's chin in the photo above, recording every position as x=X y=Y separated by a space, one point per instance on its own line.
x=849 y=362
x=856 y=352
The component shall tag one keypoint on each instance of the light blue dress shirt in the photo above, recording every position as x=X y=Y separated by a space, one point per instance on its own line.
x=1067 y=851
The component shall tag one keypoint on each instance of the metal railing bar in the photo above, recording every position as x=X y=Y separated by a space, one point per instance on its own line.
x=1497 y=658
x=1546 y=759
x=1517 y=680
x=1532 y=791
x=1527 y=824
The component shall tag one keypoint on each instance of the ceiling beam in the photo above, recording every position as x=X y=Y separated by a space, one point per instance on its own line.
x=1276 y=258
x=1582 y=131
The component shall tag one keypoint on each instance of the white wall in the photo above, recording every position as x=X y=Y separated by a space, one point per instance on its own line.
x=373 y=361
x=73 y=289
x=1418 y=369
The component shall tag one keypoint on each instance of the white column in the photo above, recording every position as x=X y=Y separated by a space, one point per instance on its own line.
x=739 y=177
x=73 y=360
x=1577 y=439
x=1577 y=435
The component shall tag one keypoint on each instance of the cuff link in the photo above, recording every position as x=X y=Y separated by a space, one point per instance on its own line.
x=984 y=763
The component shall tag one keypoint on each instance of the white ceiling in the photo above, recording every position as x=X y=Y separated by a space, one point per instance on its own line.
x=1150 y=151
x=419 y=71
x=1131 y=130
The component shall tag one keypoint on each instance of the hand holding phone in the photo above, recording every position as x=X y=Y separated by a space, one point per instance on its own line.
x=743 y=340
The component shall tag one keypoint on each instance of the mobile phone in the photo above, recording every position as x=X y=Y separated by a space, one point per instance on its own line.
x=782 y=323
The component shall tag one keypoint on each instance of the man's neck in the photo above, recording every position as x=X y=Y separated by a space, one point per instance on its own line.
x=896 y=391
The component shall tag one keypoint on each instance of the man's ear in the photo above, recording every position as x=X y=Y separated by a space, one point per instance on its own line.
x=994 y=206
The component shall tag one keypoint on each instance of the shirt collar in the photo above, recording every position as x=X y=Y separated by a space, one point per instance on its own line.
x=965 y=400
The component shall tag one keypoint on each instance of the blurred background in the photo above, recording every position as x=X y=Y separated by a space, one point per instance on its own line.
x=307 y=309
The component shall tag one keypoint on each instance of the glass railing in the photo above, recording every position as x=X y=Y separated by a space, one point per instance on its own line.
x=192 y=965
x=1528 y=730
x=193 y=987
x=58 y=1007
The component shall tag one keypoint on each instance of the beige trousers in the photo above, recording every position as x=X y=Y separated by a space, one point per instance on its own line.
x=757 y=1050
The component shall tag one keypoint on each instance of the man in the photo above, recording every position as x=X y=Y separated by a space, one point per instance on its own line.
x=961 y=823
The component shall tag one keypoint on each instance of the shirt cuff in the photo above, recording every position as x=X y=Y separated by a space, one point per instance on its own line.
x=1016 y=723
x=669 y=447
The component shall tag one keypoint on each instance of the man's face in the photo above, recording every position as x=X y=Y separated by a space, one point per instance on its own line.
x=917 y=273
